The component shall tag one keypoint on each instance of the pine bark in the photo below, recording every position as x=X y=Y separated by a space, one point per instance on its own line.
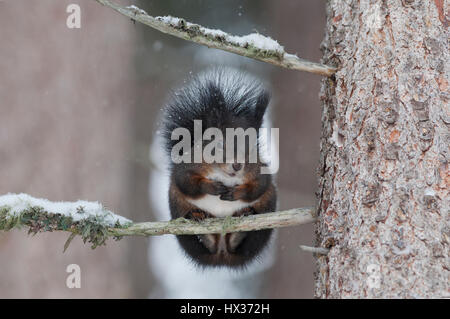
x=383 y=197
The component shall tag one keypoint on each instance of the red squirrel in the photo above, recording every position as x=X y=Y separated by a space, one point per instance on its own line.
x=219 y=98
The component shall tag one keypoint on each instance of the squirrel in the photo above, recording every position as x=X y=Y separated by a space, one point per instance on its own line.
x=220 y=98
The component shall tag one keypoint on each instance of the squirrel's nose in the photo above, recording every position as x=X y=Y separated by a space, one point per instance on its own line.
x=237 y=166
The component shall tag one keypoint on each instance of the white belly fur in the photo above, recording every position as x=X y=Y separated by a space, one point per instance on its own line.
x=217 y=207
x=213 y=204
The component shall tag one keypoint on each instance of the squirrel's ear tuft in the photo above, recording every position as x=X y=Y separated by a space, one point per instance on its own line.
x=261 y=105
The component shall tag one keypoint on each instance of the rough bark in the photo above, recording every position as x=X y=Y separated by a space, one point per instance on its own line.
x=383 y=176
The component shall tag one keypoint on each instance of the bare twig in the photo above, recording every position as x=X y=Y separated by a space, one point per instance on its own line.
x=315 y=250
x=254 y=46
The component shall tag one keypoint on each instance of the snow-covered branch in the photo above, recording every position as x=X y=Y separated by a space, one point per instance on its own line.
x=95 y=224
x=255 y=45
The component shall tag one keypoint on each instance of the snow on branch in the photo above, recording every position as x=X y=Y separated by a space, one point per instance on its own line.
x=95 y=224
x=254 y=45
x=89 y=219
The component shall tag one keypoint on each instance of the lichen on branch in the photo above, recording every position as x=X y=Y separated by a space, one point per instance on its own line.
x=95 y=224
x=90 y=220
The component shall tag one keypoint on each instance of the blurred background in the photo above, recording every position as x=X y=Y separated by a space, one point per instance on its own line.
x=79 y=109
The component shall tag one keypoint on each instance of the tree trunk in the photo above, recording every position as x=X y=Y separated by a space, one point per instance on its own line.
x=383 y=176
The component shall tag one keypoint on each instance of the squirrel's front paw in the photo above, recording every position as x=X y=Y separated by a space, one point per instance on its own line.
x=197 y=215
x=217 y=188
x=229 y=195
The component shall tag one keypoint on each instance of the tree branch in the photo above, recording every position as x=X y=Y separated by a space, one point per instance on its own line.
x=95 y=224
x=181 y=226
x=255 y=46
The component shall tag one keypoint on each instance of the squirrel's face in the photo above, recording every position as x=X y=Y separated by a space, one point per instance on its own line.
x=232 y=169
x=230 y=160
